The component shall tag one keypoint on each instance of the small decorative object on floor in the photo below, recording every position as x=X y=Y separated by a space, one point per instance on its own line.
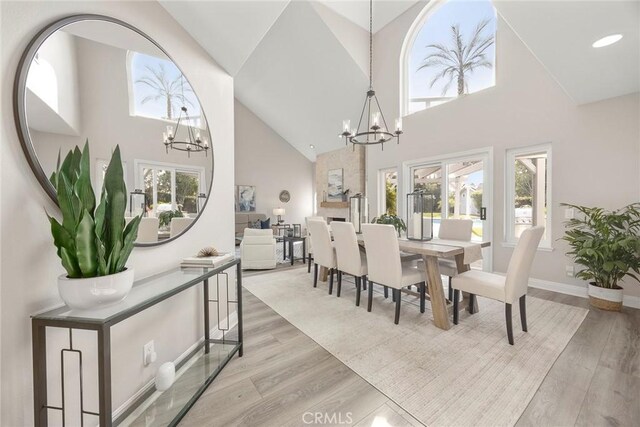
x=607 y=245
x=166 y=376
x=93 y=240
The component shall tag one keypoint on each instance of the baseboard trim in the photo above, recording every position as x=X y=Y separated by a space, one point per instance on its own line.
x=215 y=333
x=577 y=291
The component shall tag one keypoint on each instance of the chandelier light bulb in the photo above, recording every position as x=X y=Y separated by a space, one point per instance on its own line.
x=346 y=125
x=170 y=132
x=399 y=124
x=375 y=119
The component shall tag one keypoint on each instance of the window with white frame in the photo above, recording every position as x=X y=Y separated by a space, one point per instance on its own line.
x=388 y=191
x=170 y=187
x=448 y=52
x=528 y=192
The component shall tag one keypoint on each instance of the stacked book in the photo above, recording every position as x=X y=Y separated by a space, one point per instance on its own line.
x=208 y=261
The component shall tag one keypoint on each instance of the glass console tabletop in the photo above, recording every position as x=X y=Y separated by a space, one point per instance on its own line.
x=144 y=293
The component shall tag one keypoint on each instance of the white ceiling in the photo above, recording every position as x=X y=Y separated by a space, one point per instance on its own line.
x=357 y=11
x=560 y=34
x=301 y=66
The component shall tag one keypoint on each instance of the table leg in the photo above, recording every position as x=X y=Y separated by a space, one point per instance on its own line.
x=239 y=308
x=462 y=267
x=205 y=284
x=291 y=254
x=436 y=292
x=324 y=274
x=104 y=376
x=304 y=251
x=39 y=348
x=284 y=249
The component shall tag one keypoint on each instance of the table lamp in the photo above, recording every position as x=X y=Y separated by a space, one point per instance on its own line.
x=279 y=212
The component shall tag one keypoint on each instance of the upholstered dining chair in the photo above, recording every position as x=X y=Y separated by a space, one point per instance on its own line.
x=147 y=230
x=324 y=254
x=178 y=225
x=385 y=267
x=350 y=259
x=453 y=229
x=507 y=288
x=308 y=238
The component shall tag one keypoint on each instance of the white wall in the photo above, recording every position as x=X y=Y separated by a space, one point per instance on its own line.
x=595 y=146
x=267 y=161
x=29 y=265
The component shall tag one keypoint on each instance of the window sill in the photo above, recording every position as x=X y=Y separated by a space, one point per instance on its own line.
x=540 y=248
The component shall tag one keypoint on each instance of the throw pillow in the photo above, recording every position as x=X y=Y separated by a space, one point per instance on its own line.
x=265 y=225
x=255 y=224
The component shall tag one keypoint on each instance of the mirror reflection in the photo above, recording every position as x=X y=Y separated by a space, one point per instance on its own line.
x=101 y=81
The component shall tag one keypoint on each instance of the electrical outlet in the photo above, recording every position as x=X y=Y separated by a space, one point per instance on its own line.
x=570 y=270
x=569 y=213
x=149 y=353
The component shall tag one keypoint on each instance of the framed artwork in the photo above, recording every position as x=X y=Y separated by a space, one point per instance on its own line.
x=246 y=198
x=335 y=185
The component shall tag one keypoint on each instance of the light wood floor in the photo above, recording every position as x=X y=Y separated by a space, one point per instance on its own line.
x=285 y=376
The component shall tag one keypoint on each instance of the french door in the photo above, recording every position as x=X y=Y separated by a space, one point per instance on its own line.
x=462 y=187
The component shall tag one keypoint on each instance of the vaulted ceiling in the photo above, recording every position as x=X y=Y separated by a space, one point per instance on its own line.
x=301 y=66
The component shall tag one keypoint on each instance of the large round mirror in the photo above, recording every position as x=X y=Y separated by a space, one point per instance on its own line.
x=96 y=79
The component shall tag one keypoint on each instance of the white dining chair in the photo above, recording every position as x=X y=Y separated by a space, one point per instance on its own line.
x=453 y=229
x=507 y=288
x=385 y=267
x=350 y=259
x=147 y=230
x=179 y=225
x=308 y=238
x=324 y=254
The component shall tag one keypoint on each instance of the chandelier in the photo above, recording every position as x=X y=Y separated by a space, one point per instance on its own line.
x=375 y=130
x=192 y=143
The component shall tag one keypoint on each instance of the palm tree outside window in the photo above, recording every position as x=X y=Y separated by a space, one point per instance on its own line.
x=453 y=54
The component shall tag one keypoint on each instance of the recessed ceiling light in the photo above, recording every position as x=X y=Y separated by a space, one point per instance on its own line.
x=608 y=40
x=312 y=146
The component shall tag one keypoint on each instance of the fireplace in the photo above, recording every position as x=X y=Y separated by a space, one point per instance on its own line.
x=334 y=218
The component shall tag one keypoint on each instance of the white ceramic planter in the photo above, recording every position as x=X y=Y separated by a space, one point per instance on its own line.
x=605 y=298
x=87 y=293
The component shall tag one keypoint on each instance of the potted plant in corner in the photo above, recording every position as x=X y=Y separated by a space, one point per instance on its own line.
x=607 y=245
x=394 y=220
x=93 y=241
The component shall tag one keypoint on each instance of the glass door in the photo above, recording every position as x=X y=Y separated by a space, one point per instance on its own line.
x=461 y=187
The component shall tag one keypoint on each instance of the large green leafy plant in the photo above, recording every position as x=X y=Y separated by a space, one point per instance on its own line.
x=92 y=239
x=394 y=220
x=605 y=243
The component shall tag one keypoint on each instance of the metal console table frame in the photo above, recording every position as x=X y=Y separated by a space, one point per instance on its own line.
x=63 y=317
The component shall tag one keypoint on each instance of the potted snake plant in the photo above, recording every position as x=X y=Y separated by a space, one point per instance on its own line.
x=93 y=240
x=607 y=245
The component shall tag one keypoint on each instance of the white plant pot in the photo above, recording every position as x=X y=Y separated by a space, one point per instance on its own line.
x=605 y=298
x=90 y=292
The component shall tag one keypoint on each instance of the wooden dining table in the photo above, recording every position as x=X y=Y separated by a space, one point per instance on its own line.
x=430 y=251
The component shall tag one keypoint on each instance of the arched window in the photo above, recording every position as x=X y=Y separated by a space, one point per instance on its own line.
x=449 y=51
x=157 y=89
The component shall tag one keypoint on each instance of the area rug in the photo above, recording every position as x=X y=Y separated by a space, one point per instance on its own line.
x=468 y=375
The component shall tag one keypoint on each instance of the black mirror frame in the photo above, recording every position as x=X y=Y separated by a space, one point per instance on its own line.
x=19 y=106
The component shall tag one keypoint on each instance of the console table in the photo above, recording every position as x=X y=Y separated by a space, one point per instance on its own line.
x=193 y=374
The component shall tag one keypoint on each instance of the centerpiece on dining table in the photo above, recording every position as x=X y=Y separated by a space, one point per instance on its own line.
x=420 y=207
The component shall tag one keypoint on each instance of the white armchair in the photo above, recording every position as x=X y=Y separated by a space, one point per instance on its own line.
x=258 y=249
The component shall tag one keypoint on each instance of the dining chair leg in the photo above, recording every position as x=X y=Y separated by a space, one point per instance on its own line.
x=370 y=299
x=386 y=292
x=450 y=290
x=423 y=292
x=330 y=281
x=393 y=295
x=456 y=297
x=309 y=264
x=315 y=275
x=507 y=314
x=472 y=302
x=396 y=294
x=523 y=312
x=364 y=283
x=358 y=286
x=339 y=283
